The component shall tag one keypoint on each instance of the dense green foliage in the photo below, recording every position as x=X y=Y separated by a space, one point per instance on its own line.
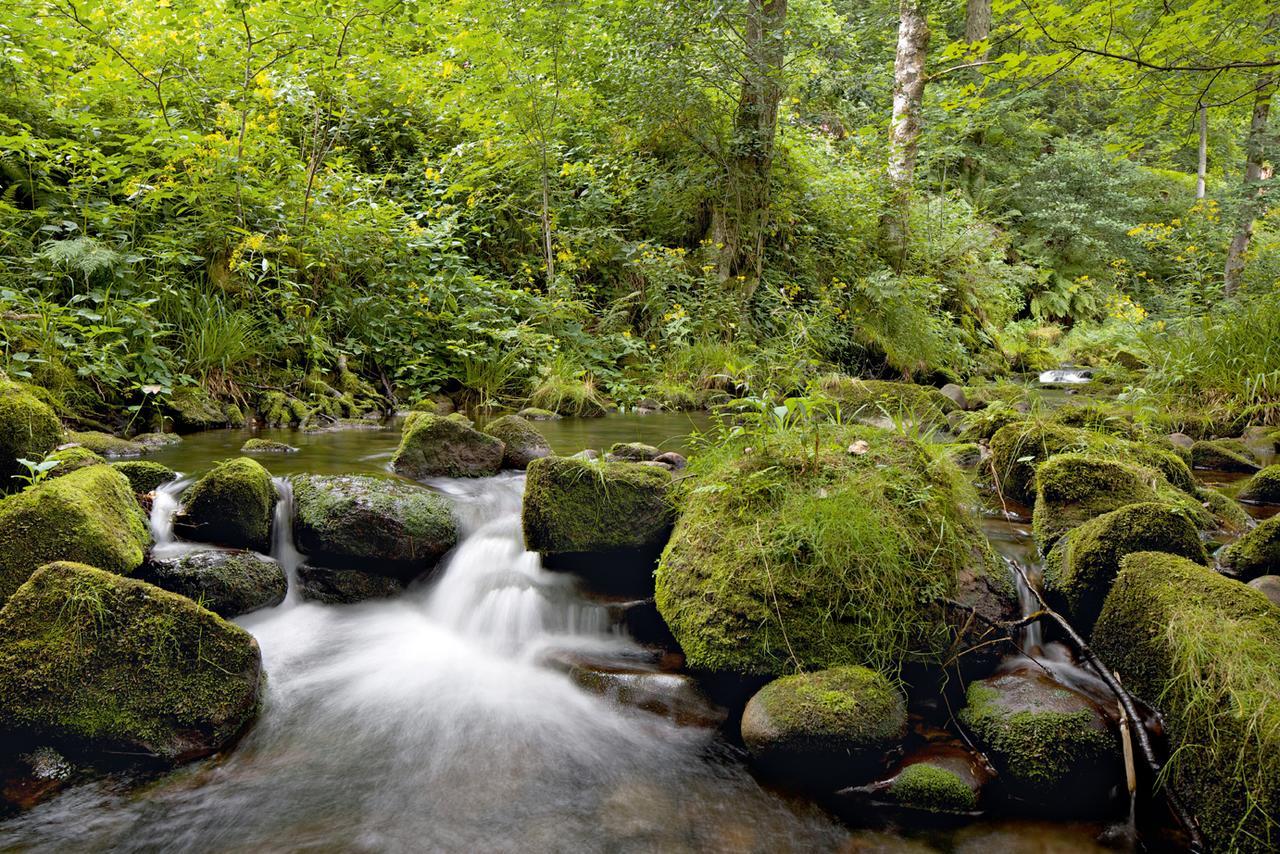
x=512 y=200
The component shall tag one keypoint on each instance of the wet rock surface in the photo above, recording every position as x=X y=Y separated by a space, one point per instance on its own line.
x=344 y=586
x=434 y=446
x=229 y=583
x=230 y=506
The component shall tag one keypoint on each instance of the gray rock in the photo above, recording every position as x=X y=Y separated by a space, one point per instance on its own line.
x=957 y=395
x=1269 y=586
x=227 y=582
x=344 y=586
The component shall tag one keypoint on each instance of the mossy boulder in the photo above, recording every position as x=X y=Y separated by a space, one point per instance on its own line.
x=266 y=446
x=1231 y=518
x=825 y=729
x=376 y=524
x=145 y=476
x=966 y=455
x=632 y=452
x=1018 y=449
x=29 y=429
x=1263 y=487
x=194 y=409
x=521 y=440
x=935 y=785
x=1256 y=553
x=105 y=444
x=1071 y=489
x=72 y=457
x=1205 y=651
x=345 y=586
x=876 y=399
x=1052 y=747
x=1082 y=565
x=533 y=413
x=90 y=515
x=782 y=562
x=1223 y=455
x=229 y=583
x=230 y=506
x=96 y=664
x=432 y=446
x=154 y=441
x=574 y=507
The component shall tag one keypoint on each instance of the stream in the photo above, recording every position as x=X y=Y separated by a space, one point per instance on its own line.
x=434 y=722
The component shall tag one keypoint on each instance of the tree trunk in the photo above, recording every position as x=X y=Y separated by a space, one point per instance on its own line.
x=904 y=131
x=977 y=21
x=740 y=220
x=1202 y=162
x=1256 y=149
x=977 y=28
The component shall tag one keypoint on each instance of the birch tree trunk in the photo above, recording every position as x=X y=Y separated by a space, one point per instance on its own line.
x=740 y=221
x=977 y=21
x=1256 y=149
x=904 y=131
x=977 y=28
x=1202 y=161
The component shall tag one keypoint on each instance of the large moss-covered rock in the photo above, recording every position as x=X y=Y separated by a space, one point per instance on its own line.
x=89 y=515
x=780 y=561
x=1205 y=651
x=370 y=523
x=875 y=399
x=1018 y=449
x=1052 y=746
x=29 y=429
x=521 y=440
x=266 y=446
x=1071 y=489
x=98 y=664
x=145 y=476
x=72 y=457
x=229 y=583
x=230 y=506
x=106 y=445
x=195 y=409
x=574 y=506
x=1263 y=487
x=1223 y=455
x=824 y=729
x=432 y=446
x=1081 y=567
x=1256 y=553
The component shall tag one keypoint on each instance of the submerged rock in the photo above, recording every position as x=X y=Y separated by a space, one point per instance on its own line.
x=1053 y=748
x=371 y=523
x=1203 y=650
x=1256 y=553
x=96 y=665
x=523 y=443
x=762 y=568
x=107 y=445
x=533 y=413
x=1223 y=455
x=229 y=583
x=942 y=778
x=88 y=515
x=344 y=586
x=670 y=695
x=1081 y=567
x=152 y=441
x=266 y=446
x=824 y=729
x=29 y=429
x=1263 y=487
x=145 y=476
x=231 y=506
x=432 y=446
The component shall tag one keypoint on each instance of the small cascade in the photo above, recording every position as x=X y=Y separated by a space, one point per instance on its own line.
x=1031 y=636
x=283 y=550
x=164 y=504
x=1066 y=376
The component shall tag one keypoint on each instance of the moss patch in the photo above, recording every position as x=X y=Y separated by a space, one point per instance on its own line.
x=106 y=444
x=145 y=476
x=29 y=429
x=96 y=663
x=779 y=562
x=1223 y=455
x=72 y=458
x=930 y=787
x=521 y=440
x=229 y=583
x=573 y=506
x=196 y=409
x=231 y=506
x=266 y=446
x=1256 y=553
x=88 y=515
x=1204 y=650
x=1081 y=567
x=1263 y=487
x=432 y=446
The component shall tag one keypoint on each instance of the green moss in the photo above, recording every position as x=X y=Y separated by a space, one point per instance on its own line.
x=145 y=476
x=1230 y=516
x=157 y=440
x=1081 y=567
x=930 y=787
x=227 y=582
x=360 y=520
x=633 y=452
x=106 y=444
x=574 y=505
x=781 y=562
x=1223 y=455
x=966 y=455
x=96 y=663
x=1040 y=735
x=1099 y=416
x=72 y=458
x=432 y=446
x=523 y=443
x=194 y=408
x=984 y=423
x=1263 y=487
x=89 y=515
x=877 y=398
x=1203 y=650
x=266 y=446
x=281 y=410
x=29 y=429
x=533 y=413
x=231 y=505
x=1256 y=553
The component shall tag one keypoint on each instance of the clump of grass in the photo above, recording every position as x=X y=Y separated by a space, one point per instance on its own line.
x=490 y=381
x=568 y=389
x=214 y=339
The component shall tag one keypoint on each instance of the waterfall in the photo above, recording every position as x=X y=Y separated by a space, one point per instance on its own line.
x=164 y=504
x=283 y=550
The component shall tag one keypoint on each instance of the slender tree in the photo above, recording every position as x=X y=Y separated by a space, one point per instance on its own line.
x=904 y=130
x=1202 y=159
x=1252 y=190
